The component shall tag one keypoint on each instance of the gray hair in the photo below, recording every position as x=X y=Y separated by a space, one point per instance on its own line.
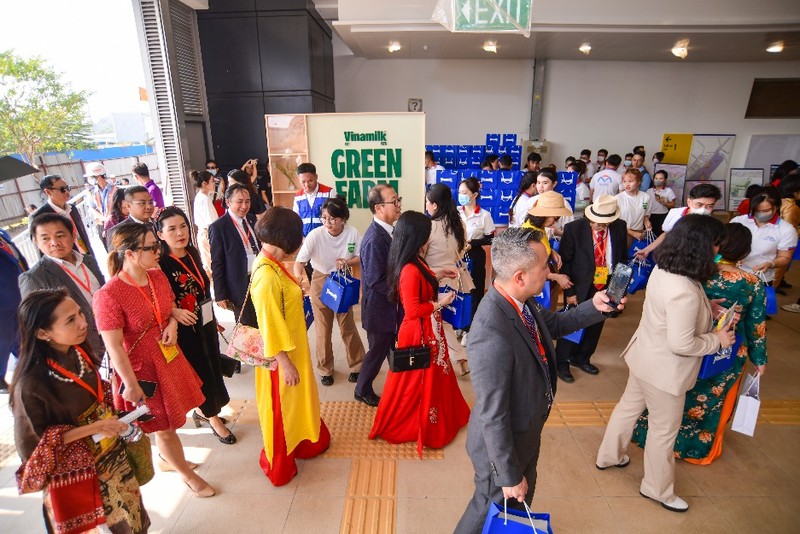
x=511 y=251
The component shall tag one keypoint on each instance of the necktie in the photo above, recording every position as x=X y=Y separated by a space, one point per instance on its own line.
x=600 y=253
x=530 y=324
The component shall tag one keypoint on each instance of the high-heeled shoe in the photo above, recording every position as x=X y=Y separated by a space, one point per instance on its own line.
x=164 y=465
x=207 y=491
x=199 y=419
x=230 y=439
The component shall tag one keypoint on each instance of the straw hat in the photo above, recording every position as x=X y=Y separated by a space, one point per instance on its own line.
x=604 y=210
x=549 y=204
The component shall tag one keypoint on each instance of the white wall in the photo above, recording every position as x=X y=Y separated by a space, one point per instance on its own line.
x=463 y=100
x=617 y=105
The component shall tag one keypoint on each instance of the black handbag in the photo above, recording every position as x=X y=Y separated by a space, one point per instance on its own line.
x=410 y=358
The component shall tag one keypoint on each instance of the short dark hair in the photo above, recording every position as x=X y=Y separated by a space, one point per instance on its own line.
x=549 y=174
x=705 y=191
x=506 y=160
x=375 y=196
x=614 y=160
x=640 y=152
x=48 y=181
x=239 y=176
x=659 y=155
x=661 y=171
x=569 y=159
x=603 y=150
x=282 y=228
x=211 y=161
x=737 y=242
x=472 y=184
x=140 y=169
x=534 y=156
x=586 y=152
x=130 y=191
x=428 y=154
x=695 y=261
x=47 y=218
x=235 y=188
x=789 y=186
x=306 y=167
x=629 y=155
x=336 y=207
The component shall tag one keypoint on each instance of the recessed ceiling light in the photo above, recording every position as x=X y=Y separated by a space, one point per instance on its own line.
x=394 y=46
x=775 y=47
x=585 y=48
x=681 y=49
x=490 y=46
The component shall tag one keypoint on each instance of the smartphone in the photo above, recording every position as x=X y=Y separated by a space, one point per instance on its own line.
x=618 y=287
x=147 y=386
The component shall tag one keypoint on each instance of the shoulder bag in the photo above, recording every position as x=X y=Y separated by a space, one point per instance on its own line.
x=410 y=358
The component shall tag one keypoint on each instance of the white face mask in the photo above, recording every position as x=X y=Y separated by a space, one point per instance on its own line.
x=700 y=211
x=212 y=172
x=601 y=159
x=92 y=181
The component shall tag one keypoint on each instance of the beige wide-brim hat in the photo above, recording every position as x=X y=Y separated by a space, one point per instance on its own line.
x=604 y=210
x=549 y=204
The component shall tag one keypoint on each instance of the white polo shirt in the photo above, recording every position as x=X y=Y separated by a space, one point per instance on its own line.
x=479 y=224
x=633 y=209
x=666 y=194
x=323 y=249
x=774 y=236
x=672 y=217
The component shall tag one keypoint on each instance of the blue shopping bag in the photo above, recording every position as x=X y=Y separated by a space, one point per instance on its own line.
x=308 y=311
x=641 y=274
x=576 y=336
x=555 y=243
x=340 y=291
x=511 y=521
x=543 y=298
x=459 y=312
x=772 y=300
x=720 y=361
x=641 y=244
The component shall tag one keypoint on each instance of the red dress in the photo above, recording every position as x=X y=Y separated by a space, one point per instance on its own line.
x=118 y=305
x=425 y=406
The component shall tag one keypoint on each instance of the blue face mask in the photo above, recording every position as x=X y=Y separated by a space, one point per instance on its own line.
x=628 y=163
x=463 y=199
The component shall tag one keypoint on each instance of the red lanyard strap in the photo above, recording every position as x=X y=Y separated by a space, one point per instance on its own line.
x=75 y=378
x=280 y=264
x=193 y=273
x=154 y=303
x=245 y=235
x=85 y=285
x=536 y=336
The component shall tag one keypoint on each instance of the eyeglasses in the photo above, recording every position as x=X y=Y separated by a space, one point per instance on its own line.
x=326 y=220
x=64 y=189
x=143 y=202
x=396 y=202
x=151 y=248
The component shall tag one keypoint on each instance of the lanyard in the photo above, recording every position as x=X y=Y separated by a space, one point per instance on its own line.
x=154 y=304
x=87 y=286
x=69 y=374
x=279 y=264
x=244 y=235
x=193 y=273
x=537 y=338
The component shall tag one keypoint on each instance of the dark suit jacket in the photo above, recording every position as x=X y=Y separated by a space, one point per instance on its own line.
x=76 y=218
x=47 y=274
x=228 y=260
x=577 y=254
x=510 y=383
x=378 y=314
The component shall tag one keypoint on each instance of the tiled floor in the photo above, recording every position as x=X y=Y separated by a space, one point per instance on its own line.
x=754 y=487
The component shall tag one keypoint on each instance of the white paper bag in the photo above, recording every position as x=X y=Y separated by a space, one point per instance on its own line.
x=746 y=415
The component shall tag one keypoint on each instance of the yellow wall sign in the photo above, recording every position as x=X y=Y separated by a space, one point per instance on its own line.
x=676 y=148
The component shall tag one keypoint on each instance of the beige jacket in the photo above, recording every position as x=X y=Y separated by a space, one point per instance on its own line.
x=673 y=335
x=443 y=253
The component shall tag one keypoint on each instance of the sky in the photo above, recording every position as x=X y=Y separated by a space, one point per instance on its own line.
x=93 y=43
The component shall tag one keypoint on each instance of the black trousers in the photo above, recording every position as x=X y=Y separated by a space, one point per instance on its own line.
x=379 y=345
x=579 y=354
x=478 y=278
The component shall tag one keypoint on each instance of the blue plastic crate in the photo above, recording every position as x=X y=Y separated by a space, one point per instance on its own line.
x=487 y=198
x=509 y=139
x=499 y=216
x=448 y=177
x=488 y=179
x=493 y=139
x=504 y=198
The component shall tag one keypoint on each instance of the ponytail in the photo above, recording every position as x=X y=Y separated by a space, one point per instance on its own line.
x=528 y=180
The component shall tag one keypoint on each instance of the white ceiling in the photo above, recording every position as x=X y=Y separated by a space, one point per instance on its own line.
x=718 y=30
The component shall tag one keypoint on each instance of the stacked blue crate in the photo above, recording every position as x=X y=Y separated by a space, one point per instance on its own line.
x=567 y=182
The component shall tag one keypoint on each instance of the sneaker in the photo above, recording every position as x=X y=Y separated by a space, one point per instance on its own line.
x=464 y=339
x=794 y=308
x=676 y=504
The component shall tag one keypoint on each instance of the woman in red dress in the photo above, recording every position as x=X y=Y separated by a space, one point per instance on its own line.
x=426 y=405
x=138 y=319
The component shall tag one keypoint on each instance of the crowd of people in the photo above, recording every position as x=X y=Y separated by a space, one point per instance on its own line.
x=153 y=319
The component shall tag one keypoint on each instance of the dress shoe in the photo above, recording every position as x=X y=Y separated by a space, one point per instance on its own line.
x=353 y=378
x=327 y=380
x=780 y=291
x=675 y=505
x=566 y=376
x=199 y=419
x=784 y=284
x=230 y=439
x=370 y=399
x=624 y=463
x=587 y=368
x=207 y=491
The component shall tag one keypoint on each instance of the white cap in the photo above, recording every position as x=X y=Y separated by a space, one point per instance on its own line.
x=95 y=169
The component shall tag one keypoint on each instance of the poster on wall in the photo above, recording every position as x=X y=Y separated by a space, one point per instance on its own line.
x=721 y=184
x=741 y=179
x=676 y=148
x=676 y=175
x=355 y=151
x=710 y=157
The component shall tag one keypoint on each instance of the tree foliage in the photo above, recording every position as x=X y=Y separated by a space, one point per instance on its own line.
x=38 y=111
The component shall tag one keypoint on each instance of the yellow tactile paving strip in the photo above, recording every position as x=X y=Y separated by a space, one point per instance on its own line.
x=370 y=506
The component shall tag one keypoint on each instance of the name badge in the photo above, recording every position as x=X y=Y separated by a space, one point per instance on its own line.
x=251 y=259
x=600 y=275
x=206 y=311
x=169 y=352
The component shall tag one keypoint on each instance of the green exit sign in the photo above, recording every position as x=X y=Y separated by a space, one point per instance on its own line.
x=493 y=15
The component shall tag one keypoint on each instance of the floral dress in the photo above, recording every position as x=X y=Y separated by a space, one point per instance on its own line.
x=709 y=404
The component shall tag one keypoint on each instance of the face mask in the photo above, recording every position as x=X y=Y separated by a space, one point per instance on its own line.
x=213 y=172
x=627 y=163
x=700 y=211
x=601 y=159
x=763 y=217
x=658 y=183
x=655 y=160
x=463 y=199
x=92 y=181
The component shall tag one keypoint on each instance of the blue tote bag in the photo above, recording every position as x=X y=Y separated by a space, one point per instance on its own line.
x=576 y=336
x=459 y=312
x=340 y=291
x=308 y=311
x=720 y=361
x=502 y=520
x=543 y=298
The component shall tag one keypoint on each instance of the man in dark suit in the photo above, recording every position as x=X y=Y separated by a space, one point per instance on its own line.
x=12 y=264
x=234 y=248
x=590 y=248
x=62 y=266
x=378 y=315
x=57 y=192
x=512 y=364
x=140 y=210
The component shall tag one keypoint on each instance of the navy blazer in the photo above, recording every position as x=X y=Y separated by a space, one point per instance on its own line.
x=76 y=218
x=378 y=314
x=577 y=254
x=229 y=260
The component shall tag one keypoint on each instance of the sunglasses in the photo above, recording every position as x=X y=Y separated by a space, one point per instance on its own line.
x=151 y=248
x=64 y=189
